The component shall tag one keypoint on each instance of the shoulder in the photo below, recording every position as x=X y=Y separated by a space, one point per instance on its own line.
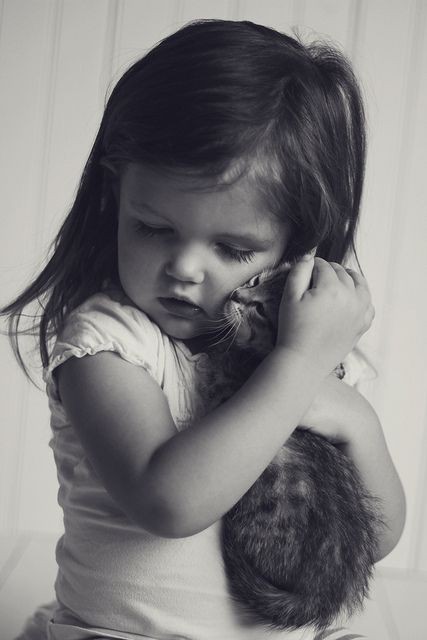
x=108 y=321
x=112 y=313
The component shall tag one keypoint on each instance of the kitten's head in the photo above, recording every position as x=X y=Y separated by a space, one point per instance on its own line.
x=253 y=309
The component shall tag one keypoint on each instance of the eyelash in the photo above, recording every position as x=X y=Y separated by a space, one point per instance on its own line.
x=147 y=231
x=242 y=255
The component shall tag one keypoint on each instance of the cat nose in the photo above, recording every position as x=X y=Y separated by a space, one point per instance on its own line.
x=235 y=295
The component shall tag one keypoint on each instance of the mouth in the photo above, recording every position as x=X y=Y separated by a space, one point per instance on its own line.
x=181 y=308
x=233 y=311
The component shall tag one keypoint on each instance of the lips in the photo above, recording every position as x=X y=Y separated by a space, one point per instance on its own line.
x=180 y=308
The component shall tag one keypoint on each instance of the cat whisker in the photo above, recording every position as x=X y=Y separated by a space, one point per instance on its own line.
x=222 y=334
x=226 y=331
x=232 y=330
x=219 y=324
x=223 y=318
x=236 y=327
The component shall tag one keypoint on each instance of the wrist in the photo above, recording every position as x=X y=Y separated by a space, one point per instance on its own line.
x=299 y=361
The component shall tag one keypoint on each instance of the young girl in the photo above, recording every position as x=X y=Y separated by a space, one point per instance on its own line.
x=228 y=148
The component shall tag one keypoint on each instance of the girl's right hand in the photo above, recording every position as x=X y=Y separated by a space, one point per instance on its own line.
x=325 y=308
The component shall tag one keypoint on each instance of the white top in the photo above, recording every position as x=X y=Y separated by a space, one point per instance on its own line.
x=114 y=577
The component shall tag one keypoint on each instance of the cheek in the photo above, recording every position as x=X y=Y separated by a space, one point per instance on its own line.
x=135 y=261
x=126 y=256
x=226 y=281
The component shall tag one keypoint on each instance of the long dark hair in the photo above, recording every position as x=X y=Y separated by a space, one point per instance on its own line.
x=215 y=98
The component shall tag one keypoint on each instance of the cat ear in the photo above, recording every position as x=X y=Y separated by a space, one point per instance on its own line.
x=283 y=267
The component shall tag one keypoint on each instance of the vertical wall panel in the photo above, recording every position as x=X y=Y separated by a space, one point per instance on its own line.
x=23 y=77
x=391 y=71
x=383 y=58
x=329 y=19
x=406 y=342
x=194 y=9
x=24 y=80
x=139 y=26
x=76 y=103
x=279 y=14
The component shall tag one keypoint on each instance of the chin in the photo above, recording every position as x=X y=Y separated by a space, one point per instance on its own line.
x=180 y=328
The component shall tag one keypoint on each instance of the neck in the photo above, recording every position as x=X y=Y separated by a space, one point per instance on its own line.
x=197 y=344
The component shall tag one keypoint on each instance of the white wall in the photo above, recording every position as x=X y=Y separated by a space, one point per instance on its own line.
x=57 y=59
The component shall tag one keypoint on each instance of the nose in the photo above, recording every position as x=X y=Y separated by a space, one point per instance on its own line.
x=186 y=264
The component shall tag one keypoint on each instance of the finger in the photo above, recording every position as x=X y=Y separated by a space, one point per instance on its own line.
x=342 y=274
x=323 y=273
x=361 y=285
x=298 y=280
x=358 y=279
x=368 y=319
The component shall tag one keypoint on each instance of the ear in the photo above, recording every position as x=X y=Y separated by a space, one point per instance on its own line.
x=107 y=164
x=114 y=176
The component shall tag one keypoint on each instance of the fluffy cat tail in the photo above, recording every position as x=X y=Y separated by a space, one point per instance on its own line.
x=263 y=602
x=299 y=546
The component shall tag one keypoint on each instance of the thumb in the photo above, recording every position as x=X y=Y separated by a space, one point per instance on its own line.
x=298 y=280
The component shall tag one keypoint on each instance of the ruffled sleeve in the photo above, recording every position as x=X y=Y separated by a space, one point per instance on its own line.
x=358 y=369
x=103 y=323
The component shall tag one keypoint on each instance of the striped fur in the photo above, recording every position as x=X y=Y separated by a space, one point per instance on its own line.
x=299 y=546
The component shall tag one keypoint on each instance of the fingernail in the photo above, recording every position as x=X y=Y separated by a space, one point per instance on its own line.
x=308 y=256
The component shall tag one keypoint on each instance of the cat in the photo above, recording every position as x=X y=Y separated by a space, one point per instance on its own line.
x=299 y=546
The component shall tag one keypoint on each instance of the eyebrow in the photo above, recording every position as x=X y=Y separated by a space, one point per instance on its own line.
x=144 y=205
x=248 y=237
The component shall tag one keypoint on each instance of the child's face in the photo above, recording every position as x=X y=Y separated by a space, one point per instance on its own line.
x=182 y=252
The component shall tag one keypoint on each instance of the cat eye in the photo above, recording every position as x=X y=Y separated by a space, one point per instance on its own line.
x=259 y=307
x=254 y=282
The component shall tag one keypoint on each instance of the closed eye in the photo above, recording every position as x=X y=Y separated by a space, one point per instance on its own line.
x=149 y=231
x=242 y=255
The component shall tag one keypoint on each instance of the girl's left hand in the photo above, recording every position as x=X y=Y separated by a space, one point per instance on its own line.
x=336 y=411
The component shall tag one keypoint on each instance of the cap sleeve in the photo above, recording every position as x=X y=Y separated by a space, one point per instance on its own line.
x=358 y=369
x=106 y=324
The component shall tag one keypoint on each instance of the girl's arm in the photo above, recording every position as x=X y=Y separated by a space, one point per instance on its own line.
x=344 y=416
x=177 y=484
x=369 y=452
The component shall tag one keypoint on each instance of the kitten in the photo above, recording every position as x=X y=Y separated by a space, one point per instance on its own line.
x=299 y=546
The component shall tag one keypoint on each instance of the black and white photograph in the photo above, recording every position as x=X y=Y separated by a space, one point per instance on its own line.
x=213 y=316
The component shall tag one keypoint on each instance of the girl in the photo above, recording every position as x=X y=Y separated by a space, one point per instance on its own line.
x=228 y=148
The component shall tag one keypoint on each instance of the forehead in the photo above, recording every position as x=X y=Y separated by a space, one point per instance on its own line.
x=233 y=203
x=157 y=182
